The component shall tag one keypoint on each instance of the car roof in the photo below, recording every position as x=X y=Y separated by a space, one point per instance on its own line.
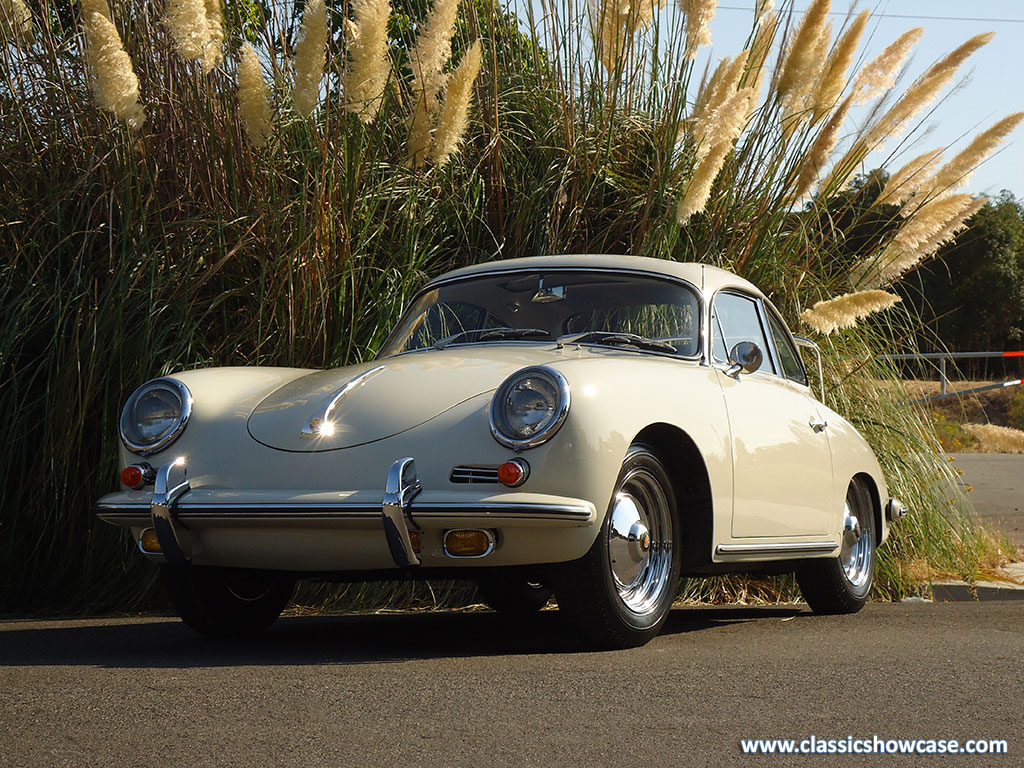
x=704 y=276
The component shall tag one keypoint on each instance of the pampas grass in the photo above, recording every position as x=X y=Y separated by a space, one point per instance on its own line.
x=699 y=15
x=187 y=25
x=253 y=97
x=213 y=52
x=845 y=311
x=910 y=178
x=310 y=58
x=451 y=123
x=879 y=74
x=15 y=21
x=114 y=83
x=836 y=70
x=369 y=64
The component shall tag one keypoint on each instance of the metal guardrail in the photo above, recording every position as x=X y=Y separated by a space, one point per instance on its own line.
x=942 y=357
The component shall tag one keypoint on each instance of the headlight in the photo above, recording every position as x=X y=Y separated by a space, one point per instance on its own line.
x=155 y=415
x=529 y=407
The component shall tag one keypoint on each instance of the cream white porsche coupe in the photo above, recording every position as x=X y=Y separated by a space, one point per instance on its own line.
x=592 y=426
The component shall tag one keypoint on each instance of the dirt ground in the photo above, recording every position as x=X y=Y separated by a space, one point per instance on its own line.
x=1003 y=407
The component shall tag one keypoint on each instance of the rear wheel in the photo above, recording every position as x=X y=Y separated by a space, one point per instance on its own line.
x=226 y=602
x=620 y=593
x=512 y=594
x=842 y=584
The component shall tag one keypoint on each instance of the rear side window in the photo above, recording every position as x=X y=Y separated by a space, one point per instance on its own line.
x=735 y=318
x=792 y=367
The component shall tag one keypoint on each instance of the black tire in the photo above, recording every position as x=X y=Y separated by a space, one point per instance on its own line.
x=512 y=594
x=226 y=602
x=607 y=610
x=842 y=584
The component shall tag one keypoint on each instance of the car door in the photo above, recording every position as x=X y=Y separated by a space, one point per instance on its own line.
x=782 y=464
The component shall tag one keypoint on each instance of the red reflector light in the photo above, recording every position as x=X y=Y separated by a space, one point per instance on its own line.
x=513 y=472
x=132 y=477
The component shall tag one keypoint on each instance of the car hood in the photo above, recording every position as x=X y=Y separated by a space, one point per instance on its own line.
x=383 y=398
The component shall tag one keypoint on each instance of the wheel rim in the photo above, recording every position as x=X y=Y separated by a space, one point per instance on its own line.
x=857 y=548
x=640 y=542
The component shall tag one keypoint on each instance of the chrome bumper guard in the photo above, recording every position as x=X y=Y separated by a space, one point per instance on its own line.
x=399 y=491
x=895 y=510
x=169 y=486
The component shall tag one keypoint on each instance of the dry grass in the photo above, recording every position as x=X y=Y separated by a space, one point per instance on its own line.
x=995 y=439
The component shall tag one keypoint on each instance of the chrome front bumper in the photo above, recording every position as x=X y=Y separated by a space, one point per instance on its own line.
x=177 y=513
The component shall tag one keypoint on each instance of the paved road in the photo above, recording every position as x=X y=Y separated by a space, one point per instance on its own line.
x=471 y=690
x=998 y=490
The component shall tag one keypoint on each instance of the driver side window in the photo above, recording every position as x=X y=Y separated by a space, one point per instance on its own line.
x=735 y=318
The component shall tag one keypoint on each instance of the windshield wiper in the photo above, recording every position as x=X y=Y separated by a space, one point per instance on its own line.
x=493 y=334
x=618 y=340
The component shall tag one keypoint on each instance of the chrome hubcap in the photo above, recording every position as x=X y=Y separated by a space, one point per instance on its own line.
x=639 y=542
x=857 y=547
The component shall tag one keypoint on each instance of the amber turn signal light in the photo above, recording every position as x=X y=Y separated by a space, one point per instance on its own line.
x=468 y=543
x=513 y=472
x=148 y=542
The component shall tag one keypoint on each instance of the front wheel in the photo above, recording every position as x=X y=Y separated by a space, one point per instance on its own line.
x=226 y=602
x=842 y=584
x=619 y=594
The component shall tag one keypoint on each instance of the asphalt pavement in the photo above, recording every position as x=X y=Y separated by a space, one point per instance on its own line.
x=451 y=689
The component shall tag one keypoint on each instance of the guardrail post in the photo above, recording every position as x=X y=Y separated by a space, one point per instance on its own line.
x=942 y=375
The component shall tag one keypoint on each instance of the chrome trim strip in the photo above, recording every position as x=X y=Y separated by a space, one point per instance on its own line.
x=186 y=411
x=549 y=431
x=170 y=485
x=434 y=509
x=400 y=489
x=782 y=548
x=323 y=414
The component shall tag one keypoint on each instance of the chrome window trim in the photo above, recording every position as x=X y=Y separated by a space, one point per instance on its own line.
x=186 y=411
x=549 y=431
x=770 y=311
x=758 y=305
x=434 y=284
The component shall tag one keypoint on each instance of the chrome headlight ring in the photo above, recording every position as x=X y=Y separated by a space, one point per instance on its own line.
x=547 y=386
x=166 y=404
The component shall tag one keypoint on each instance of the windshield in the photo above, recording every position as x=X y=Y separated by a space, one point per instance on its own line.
x=544 y=305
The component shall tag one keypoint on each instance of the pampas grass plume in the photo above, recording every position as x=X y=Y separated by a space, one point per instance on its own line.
x=845 y=311
x=114 y=82
x=923 y=91
x=310 y=57
x=802 y=54
x=834 y=76
x=910 y=178
x=213 y=53
x=432 y=50
x=253 y=97
x=699 y=15
x=186 y=22
x=879 y=74
x=369 y=66
x=451 y=123
x=15 y=21
x=822 y=147
x=958 y=171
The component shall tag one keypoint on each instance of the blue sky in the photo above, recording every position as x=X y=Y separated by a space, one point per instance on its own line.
x=995 y=75
x=991 y=83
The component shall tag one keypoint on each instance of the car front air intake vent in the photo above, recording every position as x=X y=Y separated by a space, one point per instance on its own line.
x=474 y=475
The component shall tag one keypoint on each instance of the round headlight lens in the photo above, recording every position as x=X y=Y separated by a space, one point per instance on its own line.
x=155 y=415
x=529 y=407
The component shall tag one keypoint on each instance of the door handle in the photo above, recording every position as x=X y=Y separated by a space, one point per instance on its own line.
x=818 y=425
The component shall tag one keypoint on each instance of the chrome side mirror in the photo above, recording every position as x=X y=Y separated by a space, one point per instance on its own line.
x=745 y=357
